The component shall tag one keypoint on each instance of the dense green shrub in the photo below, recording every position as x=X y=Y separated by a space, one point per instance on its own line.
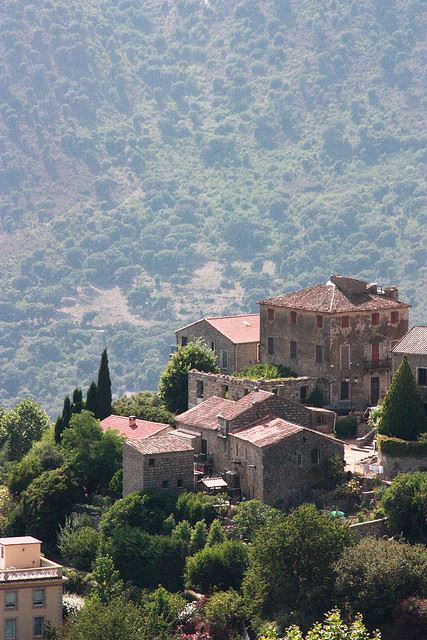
x=405 y=505
x=220 y=566
x=346 y=427
x=405 y=448
x=265 y=372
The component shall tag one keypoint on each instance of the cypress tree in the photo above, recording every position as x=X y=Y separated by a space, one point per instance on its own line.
x=103 y=394
x=402 y=414
x=63 y=421
x=91 y=398
x=58 y=429
x=77 y=406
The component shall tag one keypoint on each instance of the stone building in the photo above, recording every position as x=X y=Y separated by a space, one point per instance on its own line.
x=163 y=462
x=132 y=428
x=234 y=339
x=202 y=386
x=30 y=589
x=342 y=331
x=414 y=346
x=213 y=422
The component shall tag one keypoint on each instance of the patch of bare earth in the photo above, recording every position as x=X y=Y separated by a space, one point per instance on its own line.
x=110 y=306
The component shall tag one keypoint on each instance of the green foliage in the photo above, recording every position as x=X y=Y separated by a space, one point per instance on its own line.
x=333 y=627
x=144 y=405
x=106 y=582
x=78 y=542
x=90 y=403
x=198 y=536
x=95 y=456
x=160 y=611
x=375 y=575
x=21 y=426
x=290 y=576
x=42 y=456
x=143 y=510
x=117 y=620
x=224 y=612
x=103 y=389
x=220 y=566
x=405 y=505
x=173 y=385
x=265 y=371
x=402 y=408
x=316 y=398
x=346 y=427
x=406 y=448
x=197 y=506
x=63 y=421
x=216 y=533
x=250 y=516
x=47 y=501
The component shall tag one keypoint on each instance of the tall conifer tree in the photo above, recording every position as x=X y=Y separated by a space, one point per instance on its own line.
x=63 y=421
x=77 y=405
x=103 y=394
x=402 y=413
x=90 y=403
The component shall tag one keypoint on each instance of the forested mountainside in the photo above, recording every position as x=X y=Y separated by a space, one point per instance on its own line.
x=162 y=160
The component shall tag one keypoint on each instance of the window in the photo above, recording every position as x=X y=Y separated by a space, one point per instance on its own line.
x=303 y=394
x=319 y=353
x=10 y=600
x=293 y=317
x=422 y=376
x=38 y=628
x=165 y=484
x=293 y=349
x=10 y=629
x=319 y=322
x=184 y=341
x=345 y=356
x=375 y=319
x=345 y=322
x=151 y=462
x=320 y=419
x=199 y=389
x=315 y=456
x=299 y=459
x=270 y=346
x=212 y=345
x=224 y=359
x=204 y=446
x=344 y=390
x=179 y=483
x=38 y=598
x=224 y=391
x=375 y=351
x=394 y=317
x=270 y=314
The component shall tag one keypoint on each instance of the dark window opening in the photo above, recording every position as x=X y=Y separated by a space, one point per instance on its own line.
x=293 y=317
x=394 y=317
x=319 y=353
x=422 y=376
x=151 y=462
x=224 y=389
x=375 y=319
x=179 y=483
x=319 y=322
x=293 y=349
x=199 y=391
x=165 y=484
x=184 y=341
x=303 y=393
x=344 y=395
x=270 y=314
x=345 y=322
x=315 y=456
x=270 y=346
x=299 y=459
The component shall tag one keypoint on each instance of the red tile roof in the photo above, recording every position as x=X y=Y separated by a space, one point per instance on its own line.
x=331 y=298
x=161 y=444
x=142 y=428
x=415 y=341
x=238 y=329
x=243 y=404
x=205 y=414
x=268 y=431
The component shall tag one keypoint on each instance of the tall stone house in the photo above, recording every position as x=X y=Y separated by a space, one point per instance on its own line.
x=414 y=346
x=30 y=589
x=233 y=339
x=342 y=331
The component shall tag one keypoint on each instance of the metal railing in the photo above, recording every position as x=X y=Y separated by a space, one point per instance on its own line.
x=377 y=364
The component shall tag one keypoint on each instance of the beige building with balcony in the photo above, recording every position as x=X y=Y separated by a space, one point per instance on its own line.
x=30 y=589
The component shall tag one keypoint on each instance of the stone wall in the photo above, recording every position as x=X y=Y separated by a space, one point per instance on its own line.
x=375 y=528
x=176 y=468
x=393 y=465
x=226 y=386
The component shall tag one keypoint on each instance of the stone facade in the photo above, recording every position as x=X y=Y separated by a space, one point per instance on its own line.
x=202 y=386
x=347 y=342
x=232 y=355
x=152 y=469
x=393 y=465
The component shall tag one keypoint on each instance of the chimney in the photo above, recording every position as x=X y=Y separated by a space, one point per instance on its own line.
x=132 y=422
x=392 y=293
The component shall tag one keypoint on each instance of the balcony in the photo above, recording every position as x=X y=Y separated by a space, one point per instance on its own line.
x=46 y=571
x=369 y=365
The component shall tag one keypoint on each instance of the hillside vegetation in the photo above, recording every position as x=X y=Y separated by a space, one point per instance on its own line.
x=162 y=160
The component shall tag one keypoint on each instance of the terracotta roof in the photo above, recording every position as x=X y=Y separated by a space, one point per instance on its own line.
x=268 y=431
x=160 y=444
x=238 y=329
x=243 y=404
x=205 y=414
x=142 y=428
x=415 y=341
x=333 y=298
